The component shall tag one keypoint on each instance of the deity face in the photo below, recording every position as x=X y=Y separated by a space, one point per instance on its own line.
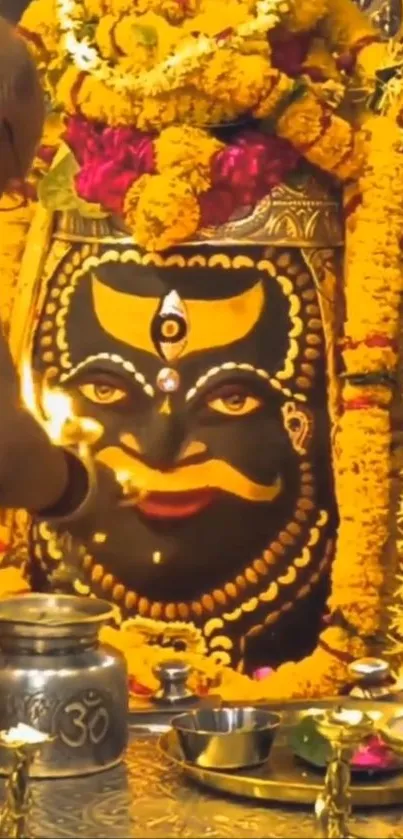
x=204 y=371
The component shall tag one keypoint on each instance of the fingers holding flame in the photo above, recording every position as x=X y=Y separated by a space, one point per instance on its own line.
x=54 y=411
x=56 y=415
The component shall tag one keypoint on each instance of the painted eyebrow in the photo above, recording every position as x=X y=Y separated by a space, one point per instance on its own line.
x=115 y=360
x=232 y=366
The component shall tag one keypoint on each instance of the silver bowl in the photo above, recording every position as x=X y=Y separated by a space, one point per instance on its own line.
x=226 y=738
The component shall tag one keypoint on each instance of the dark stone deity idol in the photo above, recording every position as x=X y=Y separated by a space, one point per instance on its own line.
x=204 y=370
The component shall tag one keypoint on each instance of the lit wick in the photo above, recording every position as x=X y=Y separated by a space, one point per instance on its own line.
x=63 y=427
x=56 y=415
x=24 y=742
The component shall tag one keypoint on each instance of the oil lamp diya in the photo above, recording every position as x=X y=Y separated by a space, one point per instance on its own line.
x=23 y=742
x=345 y=729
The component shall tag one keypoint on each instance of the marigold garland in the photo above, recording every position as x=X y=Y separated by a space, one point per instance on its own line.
x=15 y=218
x=163 y=209
x=188 y=152
x=324 y=138
x=395 y=646
x=373 y=285
x=231 y=76
x=345 y=27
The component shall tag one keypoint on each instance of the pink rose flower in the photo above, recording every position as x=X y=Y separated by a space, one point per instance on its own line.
x=111 y=160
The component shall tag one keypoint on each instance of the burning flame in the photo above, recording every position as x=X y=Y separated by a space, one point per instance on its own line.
x=23 y=734
x=55 y=414
x=56 y=406
x=28 y=390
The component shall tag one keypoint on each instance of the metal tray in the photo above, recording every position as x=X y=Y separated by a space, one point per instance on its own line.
x=284 y=779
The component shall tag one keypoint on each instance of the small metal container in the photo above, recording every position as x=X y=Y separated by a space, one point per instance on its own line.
x=58 y=678
x=226 y=738
x=372 y=679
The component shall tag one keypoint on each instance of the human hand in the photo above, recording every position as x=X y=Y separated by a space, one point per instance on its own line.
x=22 y=108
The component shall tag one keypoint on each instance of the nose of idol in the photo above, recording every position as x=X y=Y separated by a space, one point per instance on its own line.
x=170 y=449
x=162 y=439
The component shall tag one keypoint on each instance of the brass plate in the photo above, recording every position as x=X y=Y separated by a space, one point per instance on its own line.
x=283 y=779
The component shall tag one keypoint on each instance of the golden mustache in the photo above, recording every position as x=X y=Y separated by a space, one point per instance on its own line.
x=212 y=474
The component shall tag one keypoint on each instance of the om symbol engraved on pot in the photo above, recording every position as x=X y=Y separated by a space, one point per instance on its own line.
x=84 y=720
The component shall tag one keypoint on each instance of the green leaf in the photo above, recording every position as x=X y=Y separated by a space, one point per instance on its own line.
x=57 y=192
x=87 y=30
x=306 y=742
x=146 y=35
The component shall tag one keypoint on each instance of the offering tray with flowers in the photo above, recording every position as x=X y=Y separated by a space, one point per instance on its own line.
x=294 y=770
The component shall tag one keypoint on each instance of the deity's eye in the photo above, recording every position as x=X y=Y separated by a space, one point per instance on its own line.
x=234 y=400
x=102 y=393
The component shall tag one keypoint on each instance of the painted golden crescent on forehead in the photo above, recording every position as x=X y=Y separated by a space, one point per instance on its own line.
x=212 y=323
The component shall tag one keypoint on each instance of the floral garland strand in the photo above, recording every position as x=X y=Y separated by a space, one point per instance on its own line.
x=166 y=187
x=14 y=225
x=395 y=649
x=373 y=285
x=174 y=70
x=161 y=205
x=230 y=82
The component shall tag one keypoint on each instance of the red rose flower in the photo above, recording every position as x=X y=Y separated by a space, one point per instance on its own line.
x=216 y=206
x=111 y=160
x=252 y=166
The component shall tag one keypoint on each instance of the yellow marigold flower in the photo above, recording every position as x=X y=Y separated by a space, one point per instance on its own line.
x=14 y=227
x=173 y=10
x=53 y=130
x=95 y=8
x=319 y=674
x=12 y=582
x=278 y=88
x=96 y=101
x=103 y=36
x=40 y=18
x=213 y=78
x=65 y=87
x=253 y=77
x=344 y=24
x=145 y=37
x=162 y=211
x=305 y=15
x=218 y=15
x=239 y=79
x=157 y=112
x=189 y=152
x=325 y=139
x=301 y=121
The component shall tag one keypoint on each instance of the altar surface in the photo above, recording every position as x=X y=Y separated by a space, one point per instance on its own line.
x=148 y=797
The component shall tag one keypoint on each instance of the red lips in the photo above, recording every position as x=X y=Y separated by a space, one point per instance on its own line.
x=176 y=505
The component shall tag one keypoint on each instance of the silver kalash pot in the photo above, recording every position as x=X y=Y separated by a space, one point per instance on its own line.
x=58 y=678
